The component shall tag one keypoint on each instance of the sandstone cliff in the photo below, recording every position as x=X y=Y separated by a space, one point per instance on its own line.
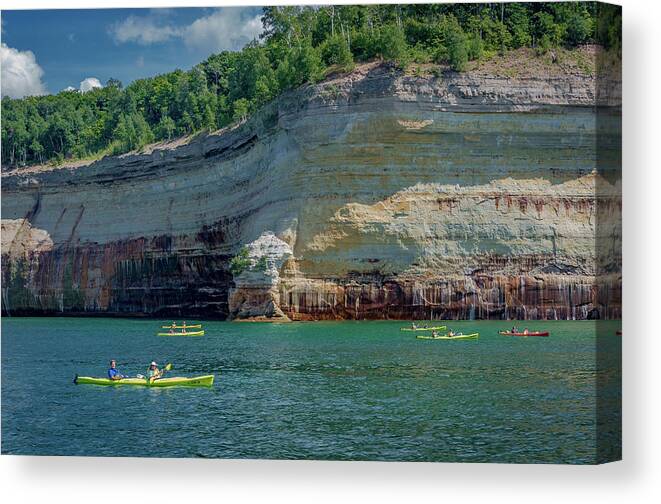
x=370 y=195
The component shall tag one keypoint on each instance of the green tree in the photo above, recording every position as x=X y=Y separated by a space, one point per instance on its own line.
x=518 y=24
x=364 y=44
x=475 y=47
x=302 y=64
x=132 y=132
x=114 y=83
x=495 y=34
x=37 y=150
x=217 y=69
x=545 y=29
x=391 y=45
x=579 y=28
x=335 y=51
x=608 y=26
x=241 y=108
x=251 y=65
x=166 y=127
x=457 y=46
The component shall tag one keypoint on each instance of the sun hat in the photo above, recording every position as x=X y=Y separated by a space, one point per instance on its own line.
x=153 y=364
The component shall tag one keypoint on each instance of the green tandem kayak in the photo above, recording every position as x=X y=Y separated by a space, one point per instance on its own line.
x=437 y=328
x=175 y=381
x=472 y=336
x=191 y=333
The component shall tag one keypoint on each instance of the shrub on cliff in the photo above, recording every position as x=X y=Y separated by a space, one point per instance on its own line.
x=262 y=264
x=240 y=262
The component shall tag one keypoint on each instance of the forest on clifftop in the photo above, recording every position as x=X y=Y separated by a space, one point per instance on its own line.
x=299 y=44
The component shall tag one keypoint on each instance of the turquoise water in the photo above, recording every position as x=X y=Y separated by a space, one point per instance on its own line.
x=322 y=390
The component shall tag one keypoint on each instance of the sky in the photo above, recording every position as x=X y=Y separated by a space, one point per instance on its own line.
x=47 y=51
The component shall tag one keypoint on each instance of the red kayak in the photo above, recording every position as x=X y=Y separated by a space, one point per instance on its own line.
x=530 y=333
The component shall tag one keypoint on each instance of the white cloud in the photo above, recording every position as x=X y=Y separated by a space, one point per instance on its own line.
x=224 y=29
x=69 y=88
x=21 y=74
x=89 y=84
x=142 y=30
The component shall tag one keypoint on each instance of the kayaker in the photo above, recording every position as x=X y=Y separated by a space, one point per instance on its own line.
x=434 y=334
x=113 y=373
x=413 y=326
x=153 y=372
x=525 y=331
x=450 y=333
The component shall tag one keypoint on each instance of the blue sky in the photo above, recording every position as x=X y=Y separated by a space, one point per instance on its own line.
x=69 y=46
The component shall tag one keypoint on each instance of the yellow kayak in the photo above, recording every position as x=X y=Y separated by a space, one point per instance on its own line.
x=175 y=381
x=191 y=333
x=437 y=328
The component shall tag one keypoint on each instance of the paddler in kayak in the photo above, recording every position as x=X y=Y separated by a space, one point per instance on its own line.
x=413 y=326
x=153 y=372
x=113 y=372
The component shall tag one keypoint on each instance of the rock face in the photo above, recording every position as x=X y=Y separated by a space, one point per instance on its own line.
x=370 y=195
x=257 y=287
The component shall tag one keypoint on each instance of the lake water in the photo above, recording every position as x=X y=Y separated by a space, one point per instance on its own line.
x=321 y=390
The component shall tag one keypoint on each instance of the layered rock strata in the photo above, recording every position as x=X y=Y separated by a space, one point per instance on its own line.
x=370 y=195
